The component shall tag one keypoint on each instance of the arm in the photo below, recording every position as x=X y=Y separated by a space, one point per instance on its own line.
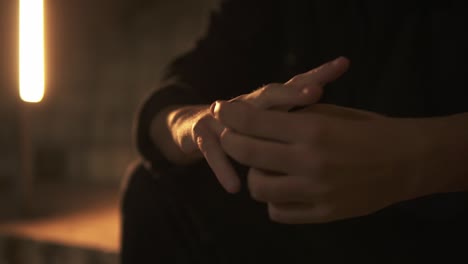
x=239 y=53
x=445 y=163
x=190 y=124
x=169 y=141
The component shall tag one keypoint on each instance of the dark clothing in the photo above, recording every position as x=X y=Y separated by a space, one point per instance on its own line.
x=407 y=60
x=187 y=218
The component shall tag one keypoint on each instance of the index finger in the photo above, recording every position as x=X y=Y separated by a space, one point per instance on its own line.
x=323 y=74
x=206 y=135
x=273 y=125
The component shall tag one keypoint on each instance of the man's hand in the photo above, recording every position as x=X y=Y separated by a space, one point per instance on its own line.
x=325 y=162
x=303 y=89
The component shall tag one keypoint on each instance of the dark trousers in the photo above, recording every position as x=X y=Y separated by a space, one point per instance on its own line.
x=188 y=218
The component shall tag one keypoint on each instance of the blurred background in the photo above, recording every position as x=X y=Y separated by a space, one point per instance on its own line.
x=102 y=58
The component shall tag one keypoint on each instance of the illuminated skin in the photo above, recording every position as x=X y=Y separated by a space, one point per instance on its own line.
x=324 y=162
x=181 y=131
x=303 y=89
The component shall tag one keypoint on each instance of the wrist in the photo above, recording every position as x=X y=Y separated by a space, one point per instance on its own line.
x=443 y=164
x=171 y=132
x=182 y=122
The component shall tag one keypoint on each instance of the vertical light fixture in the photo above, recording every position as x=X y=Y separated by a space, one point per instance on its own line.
x=31 y=90
x=31 y=50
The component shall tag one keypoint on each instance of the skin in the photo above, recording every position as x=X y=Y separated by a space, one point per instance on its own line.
x=186 y=134
x=324 y=162
x=303 y=89
x=327 y=165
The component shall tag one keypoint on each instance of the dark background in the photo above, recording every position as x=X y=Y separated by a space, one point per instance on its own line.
x=102 y=57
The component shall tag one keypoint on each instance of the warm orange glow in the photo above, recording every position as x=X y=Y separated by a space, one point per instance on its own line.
x=31 y=57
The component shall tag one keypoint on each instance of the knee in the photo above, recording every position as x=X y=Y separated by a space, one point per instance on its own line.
x=135 y=185
x=133 y=170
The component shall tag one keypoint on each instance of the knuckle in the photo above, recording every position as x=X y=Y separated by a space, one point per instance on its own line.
x=296 y=79
x=249 y=98
x=222 y=113
x=263 y=95
x=262 y=90
x=271 y=86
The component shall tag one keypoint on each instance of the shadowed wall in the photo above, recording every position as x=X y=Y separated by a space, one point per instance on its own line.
x=102 y=58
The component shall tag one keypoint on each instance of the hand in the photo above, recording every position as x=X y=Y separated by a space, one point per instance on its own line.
x=303 y=89
x=206 y=130
x=325 y=162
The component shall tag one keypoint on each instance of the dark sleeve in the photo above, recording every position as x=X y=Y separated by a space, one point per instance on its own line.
x=241 y=50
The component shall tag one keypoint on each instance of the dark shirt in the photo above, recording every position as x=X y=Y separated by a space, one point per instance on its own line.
x=408 y=59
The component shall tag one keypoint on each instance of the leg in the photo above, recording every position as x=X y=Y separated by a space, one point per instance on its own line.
x=151 y=230
x=190 y=219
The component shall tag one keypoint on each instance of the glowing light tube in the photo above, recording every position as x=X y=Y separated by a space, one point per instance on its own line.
x=31 y=50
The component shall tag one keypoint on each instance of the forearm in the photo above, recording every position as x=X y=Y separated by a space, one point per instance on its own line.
x=171 y=129
x=445 y=165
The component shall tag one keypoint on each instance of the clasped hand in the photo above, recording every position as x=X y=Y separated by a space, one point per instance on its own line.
x=318 y=164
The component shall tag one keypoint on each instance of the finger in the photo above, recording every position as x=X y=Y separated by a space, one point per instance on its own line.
x=273 y=125
x=341 y=112
x=258 y=153
x=322 y=75
x=271 y=188
x=307 y=213
x=279 y=97
x=209 y=146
